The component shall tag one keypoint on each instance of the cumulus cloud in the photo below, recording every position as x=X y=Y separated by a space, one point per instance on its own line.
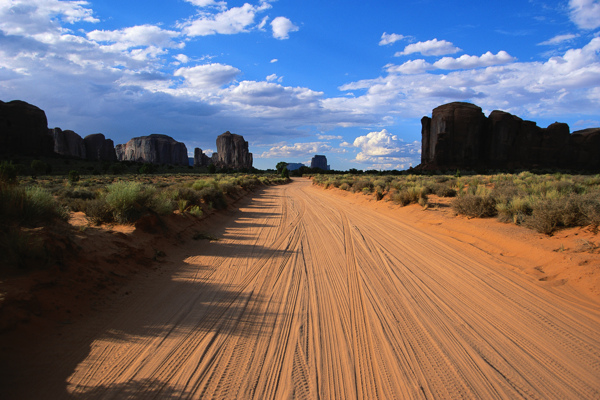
x=430 y=48
x=465 y=61
x=523 y=88
x=207 y=3
x=208 y=76
x=558 y=39
x=269 y=94
x=585 y=13
x=228 y=22
x=410 y=67
x=282 y=27
x=296 y=150
x=136 y=36
x=389 y=38
x=386 y=151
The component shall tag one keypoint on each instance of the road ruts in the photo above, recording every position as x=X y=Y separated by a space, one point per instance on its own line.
x=306 y=296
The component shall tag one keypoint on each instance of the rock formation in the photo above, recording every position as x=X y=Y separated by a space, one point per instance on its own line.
x=458 y=135
x=68 y=143
x=99 y=148
x=319 y=162
x=24 y=129
x=232 y=152
x=155 y=149
x=201 y=159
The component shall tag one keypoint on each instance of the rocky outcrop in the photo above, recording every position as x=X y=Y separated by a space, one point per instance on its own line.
x=97 y=147
x=68 y=143
x=232 y=152
x=319 y=162
x=201 y=159
x=155 y=149
x=24 y=129
x=458 y=135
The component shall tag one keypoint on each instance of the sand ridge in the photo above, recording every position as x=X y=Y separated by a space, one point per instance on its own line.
x=309 y=293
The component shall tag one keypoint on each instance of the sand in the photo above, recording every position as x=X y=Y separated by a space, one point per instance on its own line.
x=313 y=293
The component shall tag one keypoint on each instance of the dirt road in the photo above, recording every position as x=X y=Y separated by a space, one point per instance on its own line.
x=307 y=296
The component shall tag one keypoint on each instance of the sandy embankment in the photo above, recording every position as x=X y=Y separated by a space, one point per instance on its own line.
x=313 y=293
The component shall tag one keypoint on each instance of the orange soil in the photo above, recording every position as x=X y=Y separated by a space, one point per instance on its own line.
x=314 y=293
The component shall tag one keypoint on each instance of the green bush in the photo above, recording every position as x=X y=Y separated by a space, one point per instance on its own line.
x=74 y=176
x=475 y=206
x=8 y=173
x=213 y=197
x=128 y=201
x=98 y=211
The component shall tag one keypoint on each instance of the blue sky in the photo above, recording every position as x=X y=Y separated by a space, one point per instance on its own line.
x=347 y=79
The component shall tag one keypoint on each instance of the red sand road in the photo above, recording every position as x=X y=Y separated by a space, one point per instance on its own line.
x=307 y=294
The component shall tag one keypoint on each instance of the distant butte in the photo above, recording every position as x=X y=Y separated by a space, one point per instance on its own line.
x=458 y=135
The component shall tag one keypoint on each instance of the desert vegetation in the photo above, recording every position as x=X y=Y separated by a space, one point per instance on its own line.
x=28 y=204
x=543 y=202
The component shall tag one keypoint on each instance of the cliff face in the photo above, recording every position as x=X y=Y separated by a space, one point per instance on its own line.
x=97 y=147
x=155 y=149
x=24 y=129
x=232 y=152
x=459 y=135
x=68 y=143
x=201 y=159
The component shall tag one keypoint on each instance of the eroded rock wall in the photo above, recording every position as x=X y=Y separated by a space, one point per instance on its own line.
x=458 y=135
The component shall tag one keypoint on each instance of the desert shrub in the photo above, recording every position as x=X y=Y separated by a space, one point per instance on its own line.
x=147 y=168
x=230 y=189
x=410 y=195
x=8 y=173
x=191 y=196
x=362 y=184
x=161 y=203
x=344 y=186
x=41 y=206
x=39 y=167
x=514 y=210
x=204 y=183
x=443 y=190
x=74 y=176
x=182 y=205
x=475 y=206
x=128 y=200
x=546 y=216
x=196 y=211
x=98 y=211
x=213 y=197
x=378 y=195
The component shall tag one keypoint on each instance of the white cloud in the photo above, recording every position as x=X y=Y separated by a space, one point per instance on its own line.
x=182 y=58
x=263 y=23
x=558 y=39
x=523 y=88
x=585 y=13
x=430 y=48
x=465 y=61
x=383 y=148
x=329 y=137
x=228 y=22
x=208 y=76
x=274 y=78
x=33 y=17
x=410 y=67
x=390 y=38
x=207 y=3
x=274 y=60
x=135 y=36
x=269 y=94
x=282 y=27
x=297 y=150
